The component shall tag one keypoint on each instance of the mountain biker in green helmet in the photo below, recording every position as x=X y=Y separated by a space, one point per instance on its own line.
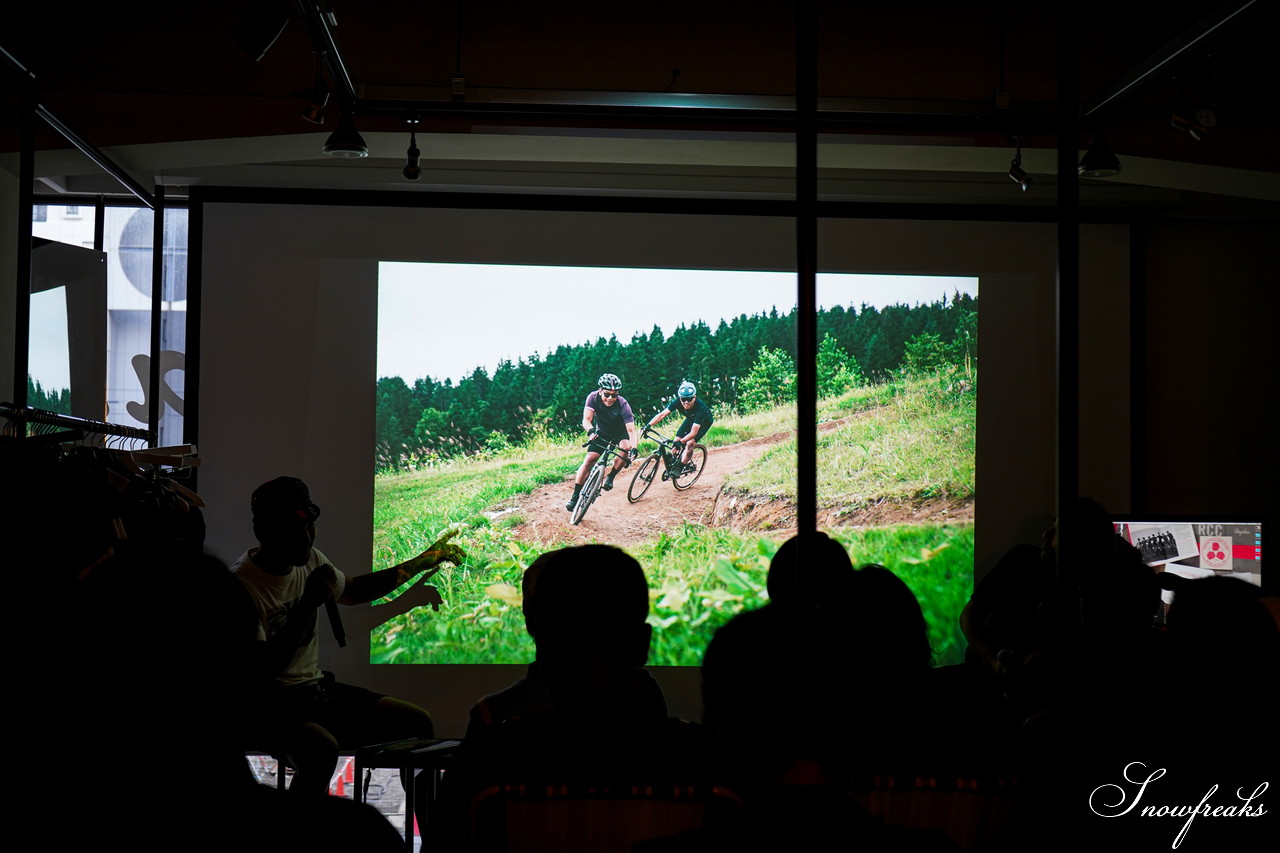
x=606 y=417
x=697 y=418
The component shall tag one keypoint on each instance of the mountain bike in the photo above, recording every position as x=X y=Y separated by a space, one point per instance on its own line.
x=666 y=457
x=595 y=479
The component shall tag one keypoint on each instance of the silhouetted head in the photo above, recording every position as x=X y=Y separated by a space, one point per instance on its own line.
x=159 y=631
x=528 y=591
x=1090 y=526
x=1225 y=644
x=1119 y=593
x=284 y=520
x=776 y=682
x=592 y=602
x=891 y=619
x=811 y=568
x=1223 y=617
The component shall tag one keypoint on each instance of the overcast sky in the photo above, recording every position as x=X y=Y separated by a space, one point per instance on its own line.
x=49 y=361
x=444 y=320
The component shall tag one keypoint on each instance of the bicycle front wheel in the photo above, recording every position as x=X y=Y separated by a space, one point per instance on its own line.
x=644 y=477
x=590 y=489
x=692 y=471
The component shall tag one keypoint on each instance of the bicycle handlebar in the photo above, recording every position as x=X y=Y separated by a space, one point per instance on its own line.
x=650 y=432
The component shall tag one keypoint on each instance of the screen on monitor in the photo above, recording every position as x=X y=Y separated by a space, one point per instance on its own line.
x=1198 y=549
x=1193 y=548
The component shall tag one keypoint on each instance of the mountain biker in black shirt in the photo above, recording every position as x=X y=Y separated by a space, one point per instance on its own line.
x=606 y=417
x=697 y=418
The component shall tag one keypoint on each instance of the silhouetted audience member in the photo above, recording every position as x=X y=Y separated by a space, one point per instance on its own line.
x=160 y=651
x=585 y=609
x=1004 y=620
x=1032 y=602
x=1224 y=646
x=799 y=695
x=586 y=712
x=810 y=567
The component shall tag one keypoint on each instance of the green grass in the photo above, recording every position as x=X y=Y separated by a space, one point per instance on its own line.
x=912 y=439
x=412 y=510
x=738 y=428
x=699 y=579
x=909 y=440
x=919 y=445
x=773 y=475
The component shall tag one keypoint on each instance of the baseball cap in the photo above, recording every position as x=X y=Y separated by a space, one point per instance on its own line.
x=281 y=499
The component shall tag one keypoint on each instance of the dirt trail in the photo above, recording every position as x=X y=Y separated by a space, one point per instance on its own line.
x=614 y=520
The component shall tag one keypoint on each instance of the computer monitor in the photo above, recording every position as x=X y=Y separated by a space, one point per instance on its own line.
x=1194 y=547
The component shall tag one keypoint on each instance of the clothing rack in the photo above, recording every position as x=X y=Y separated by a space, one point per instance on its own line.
x=20 y=416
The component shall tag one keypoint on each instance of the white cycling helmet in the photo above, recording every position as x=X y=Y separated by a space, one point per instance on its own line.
x=609 y=382
x=687 y=391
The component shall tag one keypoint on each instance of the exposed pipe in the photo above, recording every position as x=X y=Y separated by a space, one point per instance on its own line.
x=103 y=162
x=327 y=47
x=1165 y=59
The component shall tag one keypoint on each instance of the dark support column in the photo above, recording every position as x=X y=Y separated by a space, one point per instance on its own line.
x=1137 y=367
x=806 y=264
x=99 y=224
x=22 y=307
x=154 y=407
x=1068 y=310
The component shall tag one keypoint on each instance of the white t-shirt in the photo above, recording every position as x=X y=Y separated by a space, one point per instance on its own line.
x=275 y=596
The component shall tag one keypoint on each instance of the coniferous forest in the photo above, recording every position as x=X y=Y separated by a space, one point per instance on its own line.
x=740 y=365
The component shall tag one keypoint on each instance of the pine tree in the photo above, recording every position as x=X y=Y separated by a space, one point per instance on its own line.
x=837 y=370
x=771 y=381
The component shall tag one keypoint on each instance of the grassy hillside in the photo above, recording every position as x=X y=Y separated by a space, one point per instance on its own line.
x=908 y=441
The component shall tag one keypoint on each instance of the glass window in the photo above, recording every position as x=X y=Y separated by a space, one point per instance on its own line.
x=65 y=273
x=128 y=239
x=57 y=309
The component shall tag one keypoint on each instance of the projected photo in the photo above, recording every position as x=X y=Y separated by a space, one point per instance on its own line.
x=487 y=375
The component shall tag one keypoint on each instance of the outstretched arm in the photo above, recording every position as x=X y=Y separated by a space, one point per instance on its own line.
x=374 y=585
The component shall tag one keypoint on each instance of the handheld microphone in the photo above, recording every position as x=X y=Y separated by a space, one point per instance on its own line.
x=335 y=621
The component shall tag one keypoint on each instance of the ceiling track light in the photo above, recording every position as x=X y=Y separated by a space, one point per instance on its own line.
x=1099 y=161
x=346 y=141
x=412 y=171
x=1016 y=173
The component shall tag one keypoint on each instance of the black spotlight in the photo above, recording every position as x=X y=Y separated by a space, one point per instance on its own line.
x=412 y=171
x=345 y=141
x=1017 y=174
x=1098 y=161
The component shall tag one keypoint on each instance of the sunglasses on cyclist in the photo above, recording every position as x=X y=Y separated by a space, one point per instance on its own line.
x=609 y=395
